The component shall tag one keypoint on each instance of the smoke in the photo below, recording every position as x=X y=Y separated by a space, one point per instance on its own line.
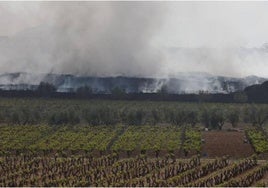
x=87 y=38
x=140 y=39
x=221 y=38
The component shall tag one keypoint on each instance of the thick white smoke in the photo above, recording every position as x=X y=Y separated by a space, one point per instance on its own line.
x=87 y=38
x=148 y=39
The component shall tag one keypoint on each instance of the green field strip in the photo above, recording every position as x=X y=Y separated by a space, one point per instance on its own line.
x=192 y=140
x=258 y=140
x=149 y=138
x=21 y=136
x=78 y=138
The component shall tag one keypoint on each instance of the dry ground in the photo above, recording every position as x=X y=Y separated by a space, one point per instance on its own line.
x=220 y=143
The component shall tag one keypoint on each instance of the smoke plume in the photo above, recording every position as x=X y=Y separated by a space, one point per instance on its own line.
x=140 y=39
x=87 y=38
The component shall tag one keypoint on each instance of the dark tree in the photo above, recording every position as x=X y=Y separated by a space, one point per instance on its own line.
x=240 y=97
x=117 y=91
x=45 y=89
x=84 y=91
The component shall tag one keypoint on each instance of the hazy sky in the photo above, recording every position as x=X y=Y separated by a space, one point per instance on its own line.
x=135 y=38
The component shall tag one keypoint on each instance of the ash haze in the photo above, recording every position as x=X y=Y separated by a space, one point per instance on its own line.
x=141 y=39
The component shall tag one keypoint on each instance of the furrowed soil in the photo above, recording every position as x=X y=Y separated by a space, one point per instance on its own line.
x=220 y=143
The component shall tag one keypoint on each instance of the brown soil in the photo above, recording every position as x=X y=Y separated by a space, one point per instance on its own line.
x=220 y=143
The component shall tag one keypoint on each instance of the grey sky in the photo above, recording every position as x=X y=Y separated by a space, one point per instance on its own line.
x=135 y=38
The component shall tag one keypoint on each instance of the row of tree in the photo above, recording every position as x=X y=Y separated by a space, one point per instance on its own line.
x=211 y=116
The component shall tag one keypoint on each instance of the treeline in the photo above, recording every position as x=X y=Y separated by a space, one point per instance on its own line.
x=220 y=98
x=255 y=93
x=212 y=116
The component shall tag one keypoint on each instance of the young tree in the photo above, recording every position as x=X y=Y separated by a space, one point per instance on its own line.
x=176 y=116
x=92 y=116
x=73 y=117
x=15 y=118
x=262 y=116
x=155 y=116
x=214 y=118
x=217 y=118
x=108 y=116
x=206 y=117
x=57 y=119
x=257 y=115
x=135 y=117
x=192 y=117
x=233 y=117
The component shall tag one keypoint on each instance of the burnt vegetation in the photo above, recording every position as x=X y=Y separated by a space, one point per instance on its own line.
x=252 y=94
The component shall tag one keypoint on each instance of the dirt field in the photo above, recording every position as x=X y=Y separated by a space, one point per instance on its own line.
x=219 y=143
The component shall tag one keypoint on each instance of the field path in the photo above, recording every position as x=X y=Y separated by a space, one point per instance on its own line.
x=220 y=143
x=182 y=140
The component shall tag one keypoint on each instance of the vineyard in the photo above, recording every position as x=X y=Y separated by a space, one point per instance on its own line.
x=28 y=170
x=50 y=142
x=258 y=140
x=87 y=139
x=149 y=138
